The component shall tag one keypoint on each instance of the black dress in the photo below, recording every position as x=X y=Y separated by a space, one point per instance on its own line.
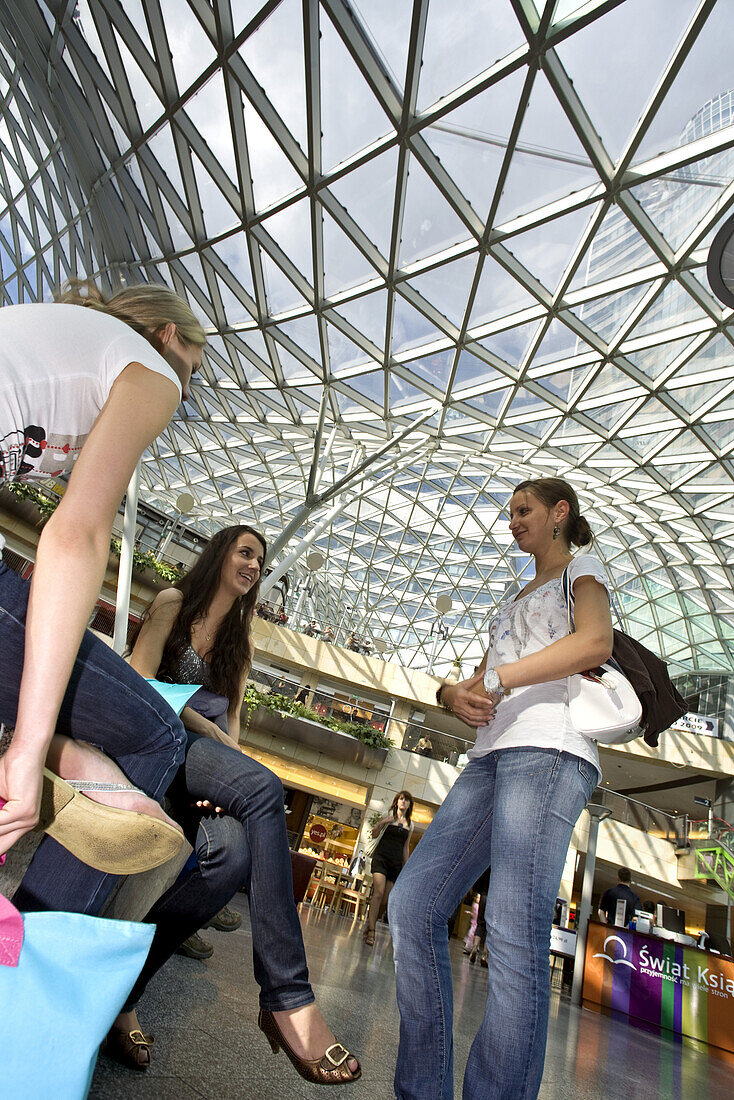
x=388 y=857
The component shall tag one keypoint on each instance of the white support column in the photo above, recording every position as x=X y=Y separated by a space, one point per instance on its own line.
x=285 y=563
x=596 y=813
x=125 y=572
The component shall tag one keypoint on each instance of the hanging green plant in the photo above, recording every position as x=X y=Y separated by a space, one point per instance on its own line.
x=281 y=704
x=47 y=506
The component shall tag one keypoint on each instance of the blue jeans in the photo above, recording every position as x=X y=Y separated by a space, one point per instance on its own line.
x=106 y=704
x=247 y=847
x=515 y=810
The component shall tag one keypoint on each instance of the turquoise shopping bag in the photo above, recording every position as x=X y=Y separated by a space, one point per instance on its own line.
x=63 y=980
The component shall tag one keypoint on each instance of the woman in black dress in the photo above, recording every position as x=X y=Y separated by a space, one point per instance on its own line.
x=389 y=857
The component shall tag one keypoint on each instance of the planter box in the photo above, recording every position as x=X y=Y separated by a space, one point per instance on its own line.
x=318 y=737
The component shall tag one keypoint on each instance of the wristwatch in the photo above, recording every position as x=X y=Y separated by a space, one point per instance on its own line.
x=439 y=700
x=493 y=684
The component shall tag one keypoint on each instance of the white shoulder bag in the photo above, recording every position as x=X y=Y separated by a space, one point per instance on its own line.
x=602 y=703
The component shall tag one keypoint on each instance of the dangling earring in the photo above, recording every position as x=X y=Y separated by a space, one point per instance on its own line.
x=556 y=531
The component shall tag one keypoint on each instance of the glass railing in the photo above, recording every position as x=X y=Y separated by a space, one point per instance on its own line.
x=658 y=823
x=404 y=734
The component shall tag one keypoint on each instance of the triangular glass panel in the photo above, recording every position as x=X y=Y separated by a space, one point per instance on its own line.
x=447 y=287
x=218 y=213
x=351 y=117
x=471 y=141
x=147 y=103
x=209 y=113
x=609 y=380
x=343 y=352
x=693 y=396
x=274 y=54
x=162 y=147
x=410 y=328
x=368 y=313
x=676 y=203
x=512 y=343
x=435 y=369
x=281 y=293
x=190 y=46
x=430 y=224
x=630 y=46
x=498 y=294
x=653 y=361
x=273 y=175
x=344 y=265
x=609 y=416
x=606 y=315
x=472 y=371
x=673 y=307
x=304 y=331
x=696 y=104
x=644 y=444
x=489 y=403
x=402 y=393
x=242 y=12
x=234 y=254
x=547 y=249
x=549 y=161
x=617 y=247
x=368 y=194
x=455 y=50
x=234 y=310
x=558 y=343
x=565 y=383
x=291 y=229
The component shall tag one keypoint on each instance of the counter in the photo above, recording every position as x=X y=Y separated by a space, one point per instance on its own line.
x=683 y=989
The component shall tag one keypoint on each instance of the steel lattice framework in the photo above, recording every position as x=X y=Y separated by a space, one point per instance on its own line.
x=434 y=255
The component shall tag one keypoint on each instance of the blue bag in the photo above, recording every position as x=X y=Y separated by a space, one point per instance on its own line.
x=63 y=980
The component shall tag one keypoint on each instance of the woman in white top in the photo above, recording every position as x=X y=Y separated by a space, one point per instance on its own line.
x=88 y=389
x=513 y=807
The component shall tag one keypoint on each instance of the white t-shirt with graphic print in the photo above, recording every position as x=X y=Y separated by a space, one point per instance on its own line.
x=536 y=716
x=58 y=363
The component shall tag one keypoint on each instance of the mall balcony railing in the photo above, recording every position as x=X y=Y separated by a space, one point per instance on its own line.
x=658 y=823
x=350 y=708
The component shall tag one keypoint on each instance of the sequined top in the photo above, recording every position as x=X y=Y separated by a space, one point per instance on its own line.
x=191 y=669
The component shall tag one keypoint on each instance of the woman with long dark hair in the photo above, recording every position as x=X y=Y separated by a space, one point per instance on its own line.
x=513 y=807
x=86 y=384
x=199 y=633
x=389 y=857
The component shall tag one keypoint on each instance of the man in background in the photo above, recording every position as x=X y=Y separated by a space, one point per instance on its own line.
x=620 y=892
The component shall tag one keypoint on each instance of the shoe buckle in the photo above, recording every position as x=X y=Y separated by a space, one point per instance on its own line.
x=139 y=1039
x=336 y=1061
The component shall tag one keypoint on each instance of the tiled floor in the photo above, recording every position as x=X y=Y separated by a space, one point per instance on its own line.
x=203 y=1015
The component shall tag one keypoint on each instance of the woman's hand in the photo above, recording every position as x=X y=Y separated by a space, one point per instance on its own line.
x=469 y=701
x=21 y=778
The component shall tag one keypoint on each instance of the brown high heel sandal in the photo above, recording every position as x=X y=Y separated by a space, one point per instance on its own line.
x=330 y=1069
x=129 y=1048
x=369 y=937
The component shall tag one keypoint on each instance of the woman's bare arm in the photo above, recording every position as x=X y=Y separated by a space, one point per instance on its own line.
x=148 y=650
x=70 y=564
x=589 y=646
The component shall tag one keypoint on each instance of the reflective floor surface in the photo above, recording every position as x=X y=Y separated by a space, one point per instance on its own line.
x=203 y=1016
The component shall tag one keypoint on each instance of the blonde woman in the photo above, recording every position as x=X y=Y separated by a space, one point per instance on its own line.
x=86 y=384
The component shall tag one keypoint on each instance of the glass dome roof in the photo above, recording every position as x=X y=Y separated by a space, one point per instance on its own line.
x=434 y=256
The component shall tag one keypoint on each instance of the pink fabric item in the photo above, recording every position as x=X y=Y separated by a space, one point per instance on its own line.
x=11 y=933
